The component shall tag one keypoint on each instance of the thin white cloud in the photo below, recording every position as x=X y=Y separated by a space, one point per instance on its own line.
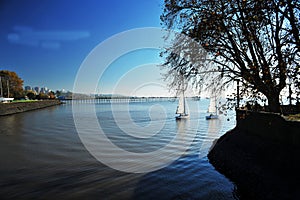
x=46 y=39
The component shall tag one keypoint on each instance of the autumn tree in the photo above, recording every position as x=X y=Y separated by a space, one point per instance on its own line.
x=51 y=95
x=11 y=83
x=255 y=41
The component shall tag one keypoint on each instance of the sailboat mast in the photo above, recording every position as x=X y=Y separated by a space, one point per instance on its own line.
x=183 y=102
x=184 y=109
x=216 y=105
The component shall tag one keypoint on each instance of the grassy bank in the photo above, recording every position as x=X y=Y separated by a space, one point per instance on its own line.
x=23 y=101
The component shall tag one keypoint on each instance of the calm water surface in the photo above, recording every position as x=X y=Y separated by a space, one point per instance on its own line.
x=42 y=156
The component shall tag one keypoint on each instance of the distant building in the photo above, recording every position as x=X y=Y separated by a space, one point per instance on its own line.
x=44 y=90
x=37 y=89
x=27 y=88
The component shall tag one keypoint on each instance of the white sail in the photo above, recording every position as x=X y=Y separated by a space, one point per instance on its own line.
x=212 y=105
x=181 y=106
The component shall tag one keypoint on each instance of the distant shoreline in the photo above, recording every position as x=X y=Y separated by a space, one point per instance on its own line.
x=19 y=107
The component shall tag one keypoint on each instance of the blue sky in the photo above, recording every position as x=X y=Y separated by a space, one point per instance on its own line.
x=45 y=41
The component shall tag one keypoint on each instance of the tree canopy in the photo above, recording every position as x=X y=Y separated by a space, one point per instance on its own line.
x=15 y=83
x=255 y=41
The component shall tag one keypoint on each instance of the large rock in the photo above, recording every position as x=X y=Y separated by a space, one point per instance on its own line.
x=263 y=165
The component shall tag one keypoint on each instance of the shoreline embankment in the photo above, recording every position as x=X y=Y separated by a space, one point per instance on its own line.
x=19 y=107
x=261 y=156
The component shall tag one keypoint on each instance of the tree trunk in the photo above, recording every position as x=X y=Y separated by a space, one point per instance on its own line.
x=273 y=103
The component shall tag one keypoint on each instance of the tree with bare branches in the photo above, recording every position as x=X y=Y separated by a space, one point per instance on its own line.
x=255 y=41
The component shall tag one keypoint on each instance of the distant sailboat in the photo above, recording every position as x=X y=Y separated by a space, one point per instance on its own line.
x=212 y=109
x=182 y=107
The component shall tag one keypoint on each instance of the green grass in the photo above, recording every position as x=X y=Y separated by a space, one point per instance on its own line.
x=16 y=101
x=295 y=117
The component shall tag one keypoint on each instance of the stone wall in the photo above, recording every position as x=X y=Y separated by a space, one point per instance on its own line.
x=18 y=107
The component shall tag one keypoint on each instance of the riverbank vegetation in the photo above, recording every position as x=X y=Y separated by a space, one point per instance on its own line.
x=11 y=85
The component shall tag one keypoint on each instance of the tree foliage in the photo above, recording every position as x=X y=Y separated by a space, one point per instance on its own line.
x=15 y=83
x=51 y=95
x=42 y=96
x=31 y=95
x=255 y=41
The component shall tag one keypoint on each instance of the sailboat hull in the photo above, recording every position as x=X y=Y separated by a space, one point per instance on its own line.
x=212 y=117
x=184 y=116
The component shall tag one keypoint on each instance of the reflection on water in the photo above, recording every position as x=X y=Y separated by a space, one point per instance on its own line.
x=42 y=157
x=187 y=178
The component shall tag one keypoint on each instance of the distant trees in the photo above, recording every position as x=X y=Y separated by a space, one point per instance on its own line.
x=42 y=96
x=51 y=95
x=58 y=93
x=31 y=95
x=254 y=41
x=11 y=83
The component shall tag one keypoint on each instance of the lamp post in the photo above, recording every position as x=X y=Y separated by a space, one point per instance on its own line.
x=7 y=88
x=1 y=93
x=238 y=93
x=1 y=87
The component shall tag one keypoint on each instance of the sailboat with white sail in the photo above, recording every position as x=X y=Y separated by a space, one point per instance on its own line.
x=212 y=109
x=182 y=108
x=182 y=105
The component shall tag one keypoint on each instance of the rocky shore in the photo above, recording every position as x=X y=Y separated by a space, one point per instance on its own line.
x=261 y=156
x=18 y=107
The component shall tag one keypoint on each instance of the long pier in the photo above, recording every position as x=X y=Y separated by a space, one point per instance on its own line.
x=118 y=100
